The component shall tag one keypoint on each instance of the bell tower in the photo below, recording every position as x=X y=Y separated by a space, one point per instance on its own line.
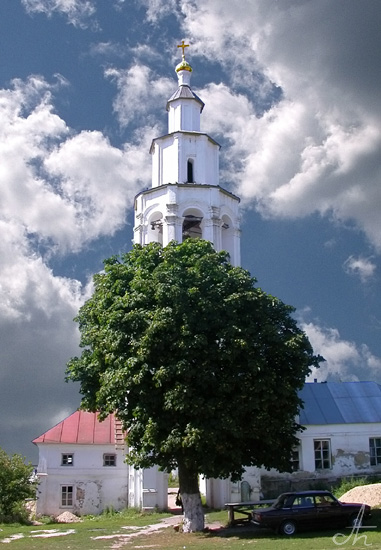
x=185 y=199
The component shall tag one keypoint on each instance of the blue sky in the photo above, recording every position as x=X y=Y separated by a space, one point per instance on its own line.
x=291 y=89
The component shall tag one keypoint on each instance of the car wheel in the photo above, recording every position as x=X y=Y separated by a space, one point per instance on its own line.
x=355 y=520
x=288 y=528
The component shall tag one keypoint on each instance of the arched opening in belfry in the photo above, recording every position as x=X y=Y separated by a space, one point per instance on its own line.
x=155 y=228
x=192 y=225
x=190 y=178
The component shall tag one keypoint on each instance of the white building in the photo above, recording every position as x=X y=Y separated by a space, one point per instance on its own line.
x=185 y=199
x=82 y=469
x=342 y=438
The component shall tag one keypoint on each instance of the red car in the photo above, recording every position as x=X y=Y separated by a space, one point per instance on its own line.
x=309 y=510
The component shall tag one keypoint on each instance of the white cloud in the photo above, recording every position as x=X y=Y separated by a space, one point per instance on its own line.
x=157 y=9
x=66 y=189
x=37 y=336
x=139 y=92
x=60 y=190
x=78 y=12
x=318 y=148
x=361 y=267
x=105 y=49
x=97 y=185
x=345 y=360
x=27 y=284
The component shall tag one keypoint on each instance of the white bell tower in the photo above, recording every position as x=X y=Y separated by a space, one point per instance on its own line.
x=185 y=199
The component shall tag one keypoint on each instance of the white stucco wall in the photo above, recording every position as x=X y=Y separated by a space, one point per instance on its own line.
x=95 y=486
x=349 y=457
x=349 y=450
x=349 y=447
x=170 y=154
x=170 y=204
x=184 y=115
x=155 y=489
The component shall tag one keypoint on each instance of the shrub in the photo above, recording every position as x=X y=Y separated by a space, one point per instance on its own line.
x=348 y=483
x=16 y=486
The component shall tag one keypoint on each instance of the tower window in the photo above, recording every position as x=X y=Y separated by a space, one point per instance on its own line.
x=190 y=171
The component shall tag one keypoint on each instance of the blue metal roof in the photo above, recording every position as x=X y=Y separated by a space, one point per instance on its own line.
x=340 y=403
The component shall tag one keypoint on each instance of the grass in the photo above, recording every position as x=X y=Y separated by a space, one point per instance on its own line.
x=238 y=538
x=85 y=532
x=250 y=539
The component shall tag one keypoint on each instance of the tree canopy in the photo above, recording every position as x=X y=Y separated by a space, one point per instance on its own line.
x=200 y=364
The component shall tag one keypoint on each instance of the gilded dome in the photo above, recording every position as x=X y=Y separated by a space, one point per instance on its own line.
x=183 y=66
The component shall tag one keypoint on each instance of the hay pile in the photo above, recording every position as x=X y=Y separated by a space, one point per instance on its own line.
x=364 y=494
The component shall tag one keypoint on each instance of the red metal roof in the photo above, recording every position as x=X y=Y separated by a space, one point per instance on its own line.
x=84 y=428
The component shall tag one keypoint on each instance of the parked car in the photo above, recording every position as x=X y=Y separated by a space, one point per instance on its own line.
x=309 y=510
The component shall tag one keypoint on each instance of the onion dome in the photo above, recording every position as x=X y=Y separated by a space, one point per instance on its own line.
x=183 y=66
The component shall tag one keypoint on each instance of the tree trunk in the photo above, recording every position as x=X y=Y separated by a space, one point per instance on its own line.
x=193 y=519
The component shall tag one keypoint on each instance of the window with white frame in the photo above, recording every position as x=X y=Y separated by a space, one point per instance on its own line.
x=109 y=460
x=322 y=451
x=375 y=451
x=67 y=459
x=67 y=495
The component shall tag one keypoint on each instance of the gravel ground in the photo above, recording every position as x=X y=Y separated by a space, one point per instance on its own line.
x=364 y=494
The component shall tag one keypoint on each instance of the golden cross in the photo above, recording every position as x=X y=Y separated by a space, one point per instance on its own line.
x=183 y=46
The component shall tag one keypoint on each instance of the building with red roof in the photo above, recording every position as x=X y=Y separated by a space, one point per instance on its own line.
x=82 y=469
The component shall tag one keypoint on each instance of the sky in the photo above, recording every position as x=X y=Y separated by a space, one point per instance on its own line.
x=292 y=93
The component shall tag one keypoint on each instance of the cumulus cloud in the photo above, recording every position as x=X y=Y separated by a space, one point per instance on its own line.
x=37 y=336
x=361 y=267
x=60 y=191
x=345 y=360
x=78 y=12
x=65 y=189
x=97 y=184
x=139 y=92
x=316 y=148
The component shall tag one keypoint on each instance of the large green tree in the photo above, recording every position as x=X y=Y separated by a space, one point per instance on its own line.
x=16 y=485
x=202 y=367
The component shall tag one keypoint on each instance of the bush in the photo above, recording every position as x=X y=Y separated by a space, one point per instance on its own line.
x=16 y=486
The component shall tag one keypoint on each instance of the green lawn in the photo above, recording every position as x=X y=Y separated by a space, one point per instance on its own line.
x=86 y=536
